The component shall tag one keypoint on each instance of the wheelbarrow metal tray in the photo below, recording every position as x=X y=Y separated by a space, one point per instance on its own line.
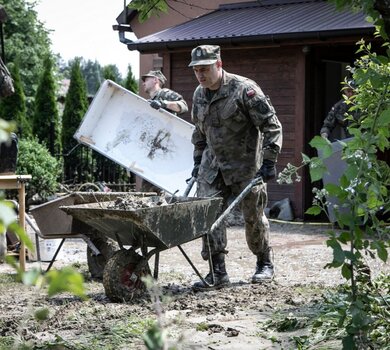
x=153 y=144
x=53 y=221
x=162 y=226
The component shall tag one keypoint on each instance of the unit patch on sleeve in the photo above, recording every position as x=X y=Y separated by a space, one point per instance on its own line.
x=250 y=93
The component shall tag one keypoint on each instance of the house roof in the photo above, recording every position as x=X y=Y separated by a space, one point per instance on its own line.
x=265 y=21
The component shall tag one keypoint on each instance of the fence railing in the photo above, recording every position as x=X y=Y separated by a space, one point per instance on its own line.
x=84 y=165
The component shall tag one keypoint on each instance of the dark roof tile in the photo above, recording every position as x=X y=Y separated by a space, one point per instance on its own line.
x=261 y=21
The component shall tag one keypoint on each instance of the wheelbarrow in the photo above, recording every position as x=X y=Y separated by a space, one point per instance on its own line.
x=148 y=231
x=52 y=223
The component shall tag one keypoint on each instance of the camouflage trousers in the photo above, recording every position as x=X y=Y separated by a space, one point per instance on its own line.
x=252 y=207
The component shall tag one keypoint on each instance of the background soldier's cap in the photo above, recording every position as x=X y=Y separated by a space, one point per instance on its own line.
x=156 y=74
x=205 y=55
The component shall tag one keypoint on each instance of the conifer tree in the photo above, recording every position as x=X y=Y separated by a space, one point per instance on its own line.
x=130 y=82
x=92 y=72
x=46 y=121
x=76 y=105
x=14 y=107
x=111 y=72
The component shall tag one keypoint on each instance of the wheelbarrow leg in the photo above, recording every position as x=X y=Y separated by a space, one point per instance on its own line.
x=196 y=270
x=156 y=264
x=55 y=255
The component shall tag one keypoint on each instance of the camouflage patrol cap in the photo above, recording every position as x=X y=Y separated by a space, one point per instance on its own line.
x=155 y=74
x=205 y=55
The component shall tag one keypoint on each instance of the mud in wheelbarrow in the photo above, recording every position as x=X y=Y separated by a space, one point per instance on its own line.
x=147 y=231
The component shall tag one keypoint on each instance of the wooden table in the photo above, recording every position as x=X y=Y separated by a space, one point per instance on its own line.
x=12 y=182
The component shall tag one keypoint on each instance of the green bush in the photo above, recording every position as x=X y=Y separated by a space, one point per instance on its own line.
x=35 y=159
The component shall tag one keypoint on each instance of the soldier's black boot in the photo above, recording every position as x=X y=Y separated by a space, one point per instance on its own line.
x=264 y=268
x=221 y=278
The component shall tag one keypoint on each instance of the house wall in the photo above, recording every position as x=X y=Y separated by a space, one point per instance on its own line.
x=280 y=72
x=179 y=12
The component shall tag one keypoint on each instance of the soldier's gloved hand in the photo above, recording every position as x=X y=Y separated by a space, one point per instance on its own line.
x=267 y=171
x=324 y=135
x=195 y=170
x=156 y=104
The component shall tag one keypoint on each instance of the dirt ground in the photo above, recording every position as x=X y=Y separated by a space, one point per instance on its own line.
x=230 y=318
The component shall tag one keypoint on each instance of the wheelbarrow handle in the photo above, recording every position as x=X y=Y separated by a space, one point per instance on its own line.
x=256 y=181
x=189 y=186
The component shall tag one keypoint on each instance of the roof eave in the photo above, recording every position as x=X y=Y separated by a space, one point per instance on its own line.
x=149 y=47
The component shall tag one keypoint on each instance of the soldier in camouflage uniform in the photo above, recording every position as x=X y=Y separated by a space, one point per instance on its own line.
x=236 y=130
x=337 y=116
x=160 y=97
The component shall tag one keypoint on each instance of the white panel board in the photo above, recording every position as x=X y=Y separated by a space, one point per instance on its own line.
x=336 y=168
x=154 y=144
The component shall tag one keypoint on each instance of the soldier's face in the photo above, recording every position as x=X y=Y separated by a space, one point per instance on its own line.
x=209 y=76
x=349 y=92
x=149 y=84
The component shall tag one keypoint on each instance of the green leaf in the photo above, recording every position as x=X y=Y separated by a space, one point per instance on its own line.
x=381 y=250
x=30 y=278
x=14 y=227
x=66 y=280
x=344 y=237
x=338 y=253
x=322 y=145
x=334 y=190
x=345 y=219
x=7 y=213
x=315 y=210
x=346 y=271
x=154 y=338
x=305 y=159
x=317 y=169
x=42 y=314
x=384 y=118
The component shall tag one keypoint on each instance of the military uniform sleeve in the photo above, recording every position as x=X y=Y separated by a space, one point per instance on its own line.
x=171 y=95
x=329 y=122
x=263 y=116
x=335 y=116
x=198 y=137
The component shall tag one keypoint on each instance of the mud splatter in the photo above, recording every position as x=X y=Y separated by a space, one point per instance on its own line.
x=159 y=143
x=122 y=137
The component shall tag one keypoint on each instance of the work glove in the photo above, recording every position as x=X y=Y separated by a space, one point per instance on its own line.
x=195 y=170
x=267 y=171
x=156 y=104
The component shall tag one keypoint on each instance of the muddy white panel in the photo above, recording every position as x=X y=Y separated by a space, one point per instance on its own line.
x=154 y=144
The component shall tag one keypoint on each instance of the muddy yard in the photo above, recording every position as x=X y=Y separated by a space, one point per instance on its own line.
x=231 y=318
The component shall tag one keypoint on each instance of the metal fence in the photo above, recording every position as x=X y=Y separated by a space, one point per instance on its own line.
x=83 y=165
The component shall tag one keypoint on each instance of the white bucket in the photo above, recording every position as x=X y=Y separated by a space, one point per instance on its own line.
x=3 y=245
x=47 y=248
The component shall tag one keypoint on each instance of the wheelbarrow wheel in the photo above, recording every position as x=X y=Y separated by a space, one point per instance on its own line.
x=122 y=276
x=97 y=263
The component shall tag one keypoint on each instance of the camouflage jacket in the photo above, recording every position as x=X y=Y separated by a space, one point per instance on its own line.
x=337 y=116
x=232 y=128
x=170 y=95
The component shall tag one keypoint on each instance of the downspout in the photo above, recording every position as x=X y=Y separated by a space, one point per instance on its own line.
x=123 y=28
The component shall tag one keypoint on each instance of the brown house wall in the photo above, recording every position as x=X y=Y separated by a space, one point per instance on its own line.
x=280 y=73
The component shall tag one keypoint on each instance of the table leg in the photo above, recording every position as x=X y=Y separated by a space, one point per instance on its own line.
x=22 y=209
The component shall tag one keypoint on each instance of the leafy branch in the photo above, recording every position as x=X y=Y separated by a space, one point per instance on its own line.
x=360 y=200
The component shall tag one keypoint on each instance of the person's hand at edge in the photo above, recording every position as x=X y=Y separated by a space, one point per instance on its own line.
x=267 y=170
x=156 y=104
x=195 y=170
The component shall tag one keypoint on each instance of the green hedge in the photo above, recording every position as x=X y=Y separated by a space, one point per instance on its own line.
x=35 y=159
